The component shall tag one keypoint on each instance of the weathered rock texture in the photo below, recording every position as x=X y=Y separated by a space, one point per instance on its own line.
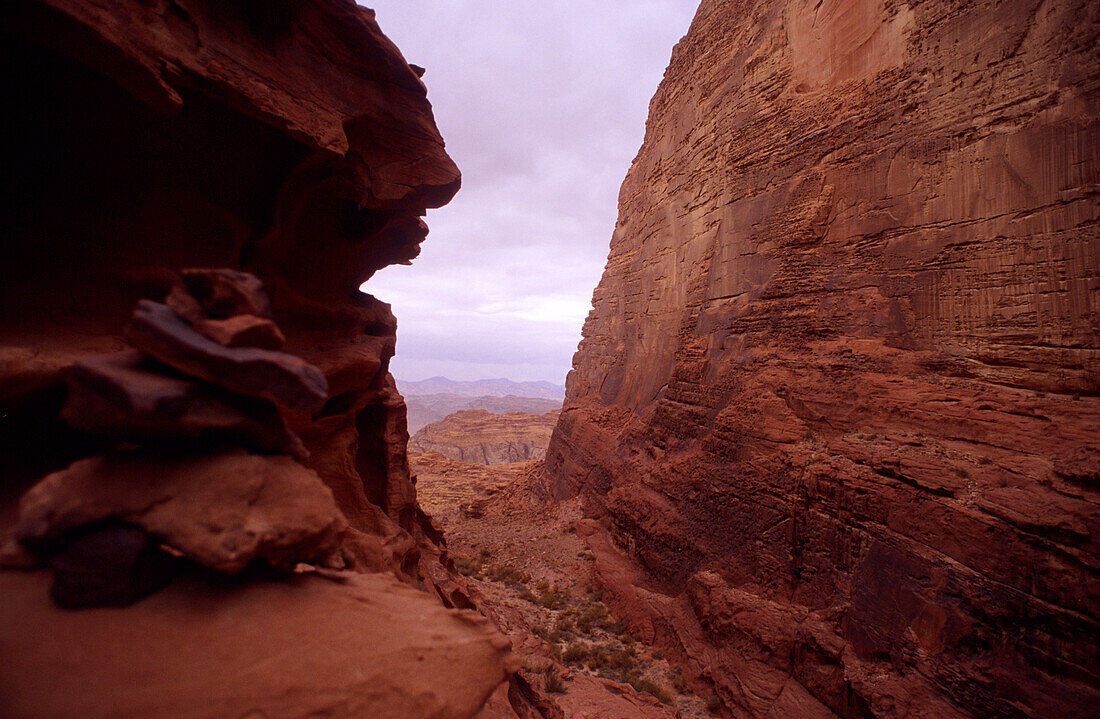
x=289 y=140
x=837 y=403
x=480 y=437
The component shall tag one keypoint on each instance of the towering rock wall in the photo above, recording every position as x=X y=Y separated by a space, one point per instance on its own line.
x=288 y=139
x=836 y=406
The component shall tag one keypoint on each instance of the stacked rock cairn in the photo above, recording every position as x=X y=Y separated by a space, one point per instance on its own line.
x=202 y=472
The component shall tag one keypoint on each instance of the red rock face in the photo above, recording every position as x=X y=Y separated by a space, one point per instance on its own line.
x=837 y=404
x=287 y=139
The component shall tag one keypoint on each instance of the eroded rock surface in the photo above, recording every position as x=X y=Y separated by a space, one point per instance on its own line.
x=480 y=437
x=836 y=408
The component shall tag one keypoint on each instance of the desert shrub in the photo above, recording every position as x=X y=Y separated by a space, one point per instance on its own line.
x=594 y=615
x=526 y=595
x=506 y=575
x=575 y=653
x=554 y=682
x=597 y=658
x=655 y=690
x=540 y=631
x=564 y=624
x=618 y=628
x=467 y=566
x=552 y=597
x=678 y=682
x=622 y=660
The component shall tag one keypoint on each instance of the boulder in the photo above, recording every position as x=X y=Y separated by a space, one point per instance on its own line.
x=109 y=566
x=223 y=510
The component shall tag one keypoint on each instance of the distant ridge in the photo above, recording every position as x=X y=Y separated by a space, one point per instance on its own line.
x=483 y=388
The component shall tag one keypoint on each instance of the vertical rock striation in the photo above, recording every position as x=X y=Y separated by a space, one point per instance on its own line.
x=837 y=404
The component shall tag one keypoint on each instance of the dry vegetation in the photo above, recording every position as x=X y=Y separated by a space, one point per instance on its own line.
x=536 y=576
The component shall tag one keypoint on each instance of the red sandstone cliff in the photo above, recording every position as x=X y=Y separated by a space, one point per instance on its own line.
x=836 y=408
x=291 y=140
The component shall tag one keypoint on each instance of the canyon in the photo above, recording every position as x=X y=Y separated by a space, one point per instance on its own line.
x=835 y=413
x=830 y=447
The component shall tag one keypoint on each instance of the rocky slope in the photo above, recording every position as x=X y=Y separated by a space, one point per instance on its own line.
x=425 y=409
x=529 y=570
x=290 y=145
x=836 y=407
x=479 y=437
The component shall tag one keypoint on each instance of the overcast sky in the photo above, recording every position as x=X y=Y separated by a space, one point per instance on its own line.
x=543 y=107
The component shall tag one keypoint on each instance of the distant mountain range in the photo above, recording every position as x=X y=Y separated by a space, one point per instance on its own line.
x=433 y=399
x=482 y=388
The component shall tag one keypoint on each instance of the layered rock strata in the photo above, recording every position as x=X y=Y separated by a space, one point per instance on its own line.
x=480 y=437
x=290 y=141
x=836 y=406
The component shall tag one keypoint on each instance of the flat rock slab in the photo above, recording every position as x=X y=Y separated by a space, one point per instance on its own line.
x=366 y=646
x=242 y=331
x=282 y=378
x=125 y=396
x=222 y=511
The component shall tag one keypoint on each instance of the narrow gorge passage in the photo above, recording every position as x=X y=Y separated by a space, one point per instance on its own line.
x=829 y=447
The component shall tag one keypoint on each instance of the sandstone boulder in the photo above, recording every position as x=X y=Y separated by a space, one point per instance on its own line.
x=223 y=511
x=109 y=565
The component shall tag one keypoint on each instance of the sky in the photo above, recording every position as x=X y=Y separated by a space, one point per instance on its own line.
x=543 y=107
